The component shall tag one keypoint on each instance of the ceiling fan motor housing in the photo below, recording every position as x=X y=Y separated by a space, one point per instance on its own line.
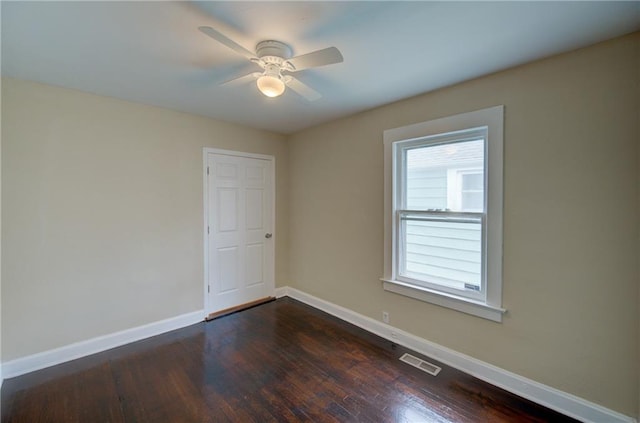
x=272 y=69
x=273 y=48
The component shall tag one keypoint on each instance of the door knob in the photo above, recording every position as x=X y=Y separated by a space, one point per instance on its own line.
x=268 y=236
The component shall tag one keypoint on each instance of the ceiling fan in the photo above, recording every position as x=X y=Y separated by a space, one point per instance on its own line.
x=274 y=57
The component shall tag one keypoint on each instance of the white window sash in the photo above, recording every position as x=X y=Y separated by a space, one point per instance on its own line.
x=429 y=281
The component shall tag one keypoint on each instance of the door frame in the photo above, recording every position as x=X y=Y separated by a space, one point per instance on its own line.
x=205 y=196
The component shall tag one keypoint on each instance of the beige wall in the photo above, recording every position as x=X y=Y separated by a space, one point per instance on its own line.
x=570 y=221
x=102 y=213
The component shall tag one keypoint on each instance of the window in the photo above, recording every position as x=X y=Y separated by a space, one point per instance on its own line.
x=443 y=214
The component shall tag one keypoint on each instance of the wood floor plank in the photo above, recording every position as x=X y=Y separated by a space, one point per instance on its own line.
x=87 y=396
x=161 y=385
x=278 y=362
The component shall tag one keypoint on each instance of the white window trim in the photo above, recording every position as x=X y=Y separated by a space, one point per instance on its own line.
x=493 y=119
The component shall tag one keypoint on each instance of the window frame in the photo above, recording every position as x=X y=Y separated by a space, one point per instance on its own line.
x=452 y=128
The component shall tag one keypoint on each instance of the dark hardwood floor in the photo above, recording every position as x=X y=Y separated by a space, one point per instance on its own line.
x=279 y=362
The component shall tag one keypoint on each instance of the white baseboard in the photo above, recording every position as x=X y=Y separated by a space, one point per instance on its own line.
x=80 y=349
x=547 y=396
x=281 y=291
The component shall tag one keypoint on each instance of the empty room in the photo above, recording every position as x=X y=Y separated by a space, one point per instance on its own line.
x=320 y=211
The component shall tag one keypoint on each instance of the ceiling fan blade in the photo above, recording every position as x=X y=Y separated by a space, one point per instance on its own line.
x=242 y=79
x=302 y=89
x=327 y=56
x=221 y=38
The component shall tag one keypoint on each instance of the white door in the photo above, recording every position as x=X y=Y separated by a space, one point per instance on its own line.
x=240 y=242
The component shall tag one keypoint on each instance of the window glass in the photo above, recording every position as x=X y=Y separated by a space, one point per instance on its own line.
x=442 y=251
x=435 y=178
x=472 y=192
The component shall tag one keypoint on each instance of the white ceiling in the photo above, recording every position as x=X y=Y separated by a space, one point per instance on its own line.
x=153 y=53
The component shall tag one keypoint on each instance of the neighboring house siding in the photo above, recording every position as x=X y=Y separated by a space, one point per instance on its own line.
x=447 y=251
x=427 y=189
x=442 y=252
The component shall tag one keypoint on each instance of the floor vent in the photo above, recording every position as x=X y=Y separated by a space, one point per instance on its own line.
x=425 y=366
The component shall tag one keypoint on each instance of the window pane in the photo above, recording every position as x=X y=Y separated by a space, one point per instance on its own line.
x=437 y=175
x=442 y=252
x=472 y=201
x=472 y=181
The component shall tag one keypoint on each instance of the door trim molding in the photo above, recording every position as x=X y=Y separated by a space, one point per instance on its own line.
x=205 y=207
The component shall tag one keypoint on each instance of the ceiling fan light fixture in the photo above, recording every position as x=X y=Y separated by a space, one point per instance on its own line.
x=271 y=86
x=274 y=57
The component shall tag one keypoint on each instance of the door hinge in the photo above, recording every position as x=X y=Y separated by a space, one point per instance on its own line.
x=208 y=288
x=208 y=230
x=207 y=170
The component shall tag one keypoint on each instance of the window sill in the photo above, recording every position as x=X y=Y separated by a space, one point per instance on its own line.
x=464 y=305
